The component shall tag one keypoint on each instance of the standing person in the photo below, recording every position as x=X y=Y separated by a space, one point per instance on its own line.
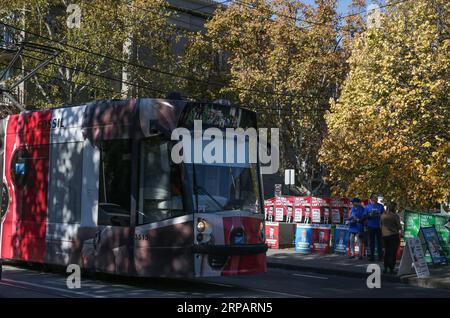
x=356 y=227
x=373 y=212
x=390 y=228
x=365 y=236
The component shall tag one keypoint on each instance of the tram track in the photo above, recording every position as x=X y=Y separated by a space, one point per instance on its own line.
x=119 y=286
x=15 y=284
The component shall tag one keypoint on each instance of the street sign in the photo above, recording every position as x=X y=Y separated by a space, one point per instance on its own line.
x=289 y=177
x=413 y=256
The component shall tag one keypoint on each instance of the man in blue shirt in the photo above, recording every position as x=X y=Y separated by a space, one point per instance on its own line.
x=356 y=227
x=372 y=213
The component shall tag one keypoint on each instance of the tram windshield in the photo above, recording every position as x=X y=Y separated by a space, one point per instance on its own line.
x=223 y=184
x=224 y=187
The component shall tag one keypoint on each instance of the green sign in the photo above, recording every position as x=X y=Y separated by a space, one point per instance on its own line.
x=415 y=220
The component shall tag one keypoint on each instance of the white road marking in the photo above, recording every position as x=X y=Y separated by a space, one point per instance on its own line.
x=49 y=288
x=259 y=290
x=310 y=276
x=219 y=284
x=279 y=293
x=67 y=291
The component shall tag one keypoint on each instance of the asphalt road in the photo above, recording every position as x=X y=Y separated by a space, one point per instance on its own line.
x=31 y=283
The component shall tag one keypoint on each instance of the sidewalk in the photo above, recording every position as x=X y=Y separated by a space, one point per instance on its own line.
x=336 y=264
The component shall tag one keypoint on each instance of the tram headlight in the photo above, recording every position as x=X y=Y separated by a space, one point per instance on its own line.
x=204 y=231
x=201 y=226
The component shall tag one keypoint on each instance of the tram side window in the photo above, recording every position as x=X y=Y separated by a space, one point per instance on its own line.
x=160 y=191
x=115 y=183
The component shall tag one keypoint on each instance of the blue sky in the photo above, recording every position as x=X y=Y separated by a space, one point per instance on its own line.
x=342 y=5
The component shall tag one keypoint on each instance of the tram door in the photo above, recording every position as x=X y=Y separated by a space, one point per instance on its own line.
x=163 y=235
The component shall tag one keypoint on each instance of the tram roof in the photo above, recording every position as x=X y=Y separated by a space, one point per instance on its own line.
x=134 y=118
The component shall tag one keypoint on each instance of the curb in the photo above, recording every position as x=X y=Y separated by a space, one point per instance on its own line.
x=333 y=271
x=425 y=282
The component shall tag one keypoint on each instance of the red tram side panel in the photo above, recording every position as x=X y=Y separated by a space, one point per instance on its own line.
x=26 y=174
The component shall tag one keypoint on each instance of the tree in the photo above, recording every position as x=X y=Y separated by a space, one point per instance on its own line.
x=106 y=27
x=389 y=131
x=284 y=61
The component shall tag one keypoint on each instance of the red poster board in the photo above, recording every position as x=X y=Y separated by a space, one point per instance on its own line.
x=346 y=206
x=298 y=209
x=272 y=234
x=289 y=204
x=336 y=210
x=321 y=238
x=318 y=207
x=305 y=202
x=269 y=209
x=280 y=209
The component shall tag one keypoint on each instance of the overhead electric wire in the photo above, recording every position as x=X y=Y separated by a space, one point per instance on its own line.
x=151 y=69
x=279 y=110
x=149 y=88
x=65 y=80
x=165 y=72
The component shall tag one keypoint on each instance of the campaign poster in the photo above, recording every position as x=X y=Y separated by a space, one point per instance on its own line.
x=290 y=202
x=444 y=234
x=279 y=214
x=303 y=238
x=304 y=203
x=280 y=209
x=336 y=206
x=319 y=207
x=321 y=238
x=414 y=220
x=335 y=216
x=298 y=214
x=307 y=218
x=412 y=224
x=316 y=215
x=268 y=209
x=427 y=220
x=346 y=206
x=272 y=234
x=341 y=239
x=298 y=210
x=433 y=245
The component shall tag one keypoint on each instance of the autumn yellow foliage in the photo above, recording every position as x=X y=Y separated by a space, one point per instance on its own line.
x=389 y=131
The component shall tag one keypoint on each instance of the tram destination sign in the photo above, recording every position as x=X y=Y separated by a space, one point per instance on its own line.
x=216 y=115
